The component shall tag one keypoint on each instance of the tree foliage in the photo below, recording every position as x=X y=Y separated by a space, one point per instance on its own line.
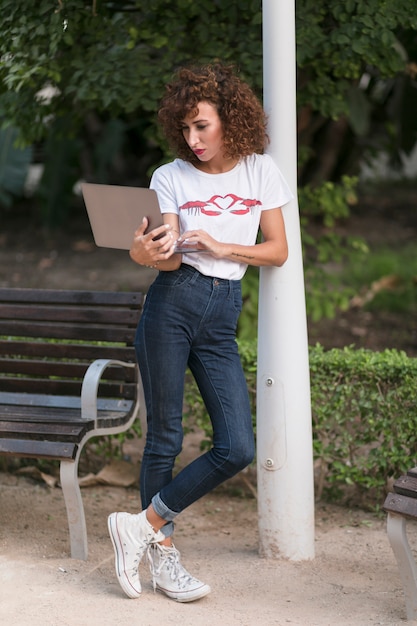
x=113 y=58
x=356 y=69
x=82 y=78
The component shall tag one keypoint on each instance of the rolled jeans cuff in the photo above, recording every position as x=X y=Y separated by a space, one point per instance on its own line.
x=163 y=511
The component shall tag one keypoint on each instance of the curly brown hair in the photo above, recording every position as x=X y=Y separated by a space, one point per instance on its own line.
x=242 y=116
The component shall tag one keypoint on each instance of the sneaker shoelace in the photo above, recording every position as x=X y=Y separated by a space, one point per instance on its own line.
x=143 y=545
x=169 y=558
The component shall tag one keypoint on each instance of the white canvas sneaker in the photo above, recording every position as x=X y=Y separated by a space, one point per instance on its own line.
x=131 y=535
x=170 y=577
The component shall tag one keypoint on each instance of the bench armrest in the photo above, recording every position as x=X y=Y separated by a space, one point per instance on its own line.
x=90 y=385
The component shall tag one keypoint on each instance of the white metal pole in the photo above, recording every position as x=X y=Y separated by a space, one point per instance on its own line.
x=284 y=433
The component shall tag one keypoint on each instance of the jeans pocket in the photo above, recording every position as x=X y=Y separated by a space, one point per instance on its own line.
x=177 y=278
x=236 y=297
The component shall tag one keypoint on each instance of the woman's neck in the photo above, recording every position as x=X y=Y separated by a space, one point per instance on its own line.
x=218 y=167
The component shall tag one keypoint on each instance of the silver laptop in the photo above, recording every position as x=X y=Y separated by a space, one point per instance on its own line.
x=116 y=212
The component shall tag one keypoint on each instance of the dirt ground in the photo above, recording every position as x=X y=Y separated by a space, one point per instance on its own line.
x=352 y=581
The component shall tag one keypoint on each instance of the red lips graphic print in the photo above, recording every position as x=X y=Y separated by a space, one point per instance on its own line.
x=218 y=205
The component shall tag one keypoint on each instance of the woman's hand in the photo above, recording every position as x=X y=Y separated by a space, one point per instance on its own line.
x=154 y=247
x=202 y=240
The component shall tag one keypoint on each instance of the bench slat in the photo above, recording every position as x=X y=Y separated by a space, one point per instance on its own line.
x=406 y=485
x=42 y=413
x=84 y=332
x=85 y=351
x=62 y=369
x=30 y=402
x=64 y=296
x=116 y=316
x=53 y=431
x=65 y=387
x=39 y=413
x=38 y=449
x=55 y=422
x=403 y=505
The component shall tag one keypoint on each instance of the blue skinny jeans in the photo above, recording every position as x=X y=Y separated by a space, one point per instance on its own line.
x=190 y=319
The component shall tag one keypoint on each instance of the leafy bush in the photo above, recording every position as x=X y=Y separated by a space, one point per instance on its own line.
x=364 y=405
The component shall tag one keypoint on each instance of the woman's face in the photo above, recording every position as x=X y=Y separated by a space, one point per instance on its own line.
x=203 y=133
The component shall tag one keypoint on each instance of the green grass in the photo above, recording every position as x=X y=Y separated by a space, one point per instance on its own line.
x=400 y=295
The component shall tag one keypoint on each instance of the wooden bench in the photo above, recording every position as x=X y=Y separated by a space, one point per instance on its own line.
x=401 y=506
x=67 y=373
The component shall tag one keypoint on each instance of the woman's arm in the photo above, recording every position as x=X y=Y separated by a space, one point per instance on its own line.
x=159 y=253
x=273 y=250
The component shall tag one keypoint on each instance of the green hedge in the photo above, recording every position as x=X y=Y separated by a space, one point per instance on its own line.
x=364 y=409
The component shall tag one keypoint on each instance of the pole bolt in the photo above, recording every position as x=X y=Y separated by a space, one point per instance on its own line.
x=269 y=463
x=269 y=382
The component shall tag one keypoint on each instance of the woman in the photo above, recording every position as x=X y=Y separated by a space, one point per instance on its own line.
x=213 y=197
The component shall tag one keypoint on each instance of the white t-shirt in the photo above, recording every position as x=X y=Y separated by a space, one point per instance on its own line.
x=228 y=206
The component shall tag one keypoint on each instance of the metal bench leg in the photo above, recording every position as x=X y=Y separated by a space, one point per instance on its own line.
x=75 y=509
x=397 y=535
